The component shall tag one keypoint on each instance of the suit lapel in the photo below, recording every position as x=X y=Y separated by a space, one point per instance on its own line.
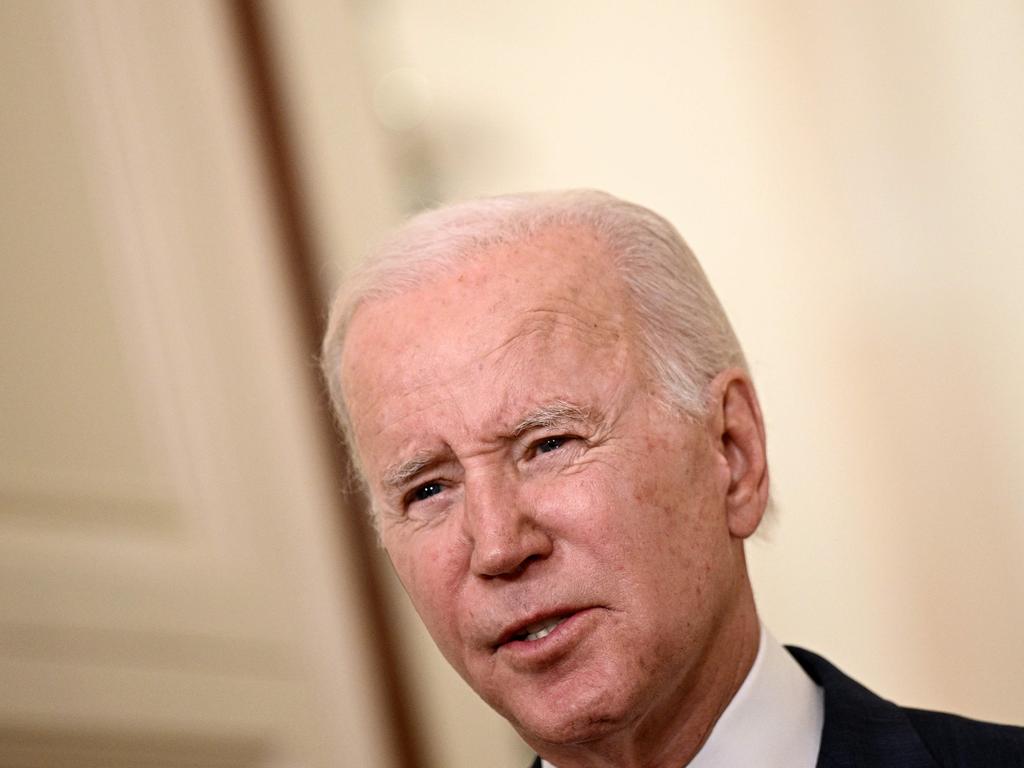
x=861 y=729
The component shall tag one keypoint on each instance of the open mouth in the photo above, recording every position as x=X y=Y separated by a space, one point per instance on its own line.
x=539 y=630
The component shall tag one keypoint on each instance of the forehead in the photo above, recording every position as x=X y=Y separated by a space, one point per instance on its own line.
x=553 y=301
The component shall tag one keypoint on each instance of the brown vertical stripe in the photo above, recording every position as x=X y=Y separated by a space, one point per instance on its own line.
x=302 y=267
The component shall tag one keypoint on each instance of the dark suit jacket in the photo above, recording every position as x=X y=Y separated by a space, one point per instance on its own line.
x=863 y=730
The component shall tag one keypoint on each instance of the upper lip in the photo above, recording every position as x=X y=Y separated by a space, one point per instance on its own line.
x=519 y=627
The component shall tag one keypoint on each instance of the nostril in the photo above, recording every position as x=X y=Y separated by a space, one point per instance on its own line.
x=515 y=571
x=527 y=561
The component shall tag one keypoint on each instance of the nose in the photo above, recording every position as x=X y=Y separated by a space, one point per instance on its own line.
x=501 y=523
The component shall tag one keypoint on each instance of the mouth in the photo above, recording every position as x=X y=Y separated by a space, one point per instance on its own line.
x=534 y=630
x=539 y=630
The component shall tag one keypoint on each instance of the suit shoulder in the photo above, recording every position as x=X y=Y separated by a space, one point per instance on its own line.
x=960 y=742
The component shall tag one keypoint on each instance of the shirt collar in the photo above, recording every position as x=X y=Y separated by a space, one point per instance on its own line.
x=773 y=721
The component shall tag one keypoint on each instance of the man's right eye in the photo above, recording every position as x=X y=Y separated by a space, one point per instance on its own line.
x=425 y=491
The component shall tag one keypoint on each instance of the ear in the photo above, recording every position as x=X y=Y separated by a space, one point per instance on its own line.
x=738 y=431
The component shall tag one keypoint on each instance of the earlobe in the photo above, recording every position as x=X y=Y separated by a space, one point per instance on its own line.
x=740 y=429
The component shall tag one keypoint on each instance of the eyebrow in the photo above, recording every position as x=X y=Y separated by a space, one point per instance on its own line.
x=398 y=475
x=551 y=415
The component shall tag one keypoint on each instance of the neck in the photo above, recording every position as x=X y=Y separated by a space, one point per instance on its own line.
x=669 y=732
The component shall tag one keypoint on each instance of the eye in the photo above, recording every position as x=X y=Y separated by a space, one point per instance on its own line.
x=425 y=491
x=549 y=444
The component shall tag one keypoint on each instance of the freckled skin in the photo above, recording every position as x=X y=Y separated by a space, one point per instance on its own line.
x=638 y=515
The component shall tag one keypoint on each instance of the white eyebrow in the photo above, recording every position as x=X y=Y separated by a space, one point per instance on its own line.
x=551 y=415
x=397 y=476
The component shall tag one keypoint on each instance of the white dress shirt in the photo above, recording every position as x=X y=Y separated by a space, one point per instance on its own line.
x=773 y=721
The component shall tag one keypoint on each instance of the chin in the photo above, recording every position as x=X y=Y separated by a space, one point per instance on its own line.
x=559 y=719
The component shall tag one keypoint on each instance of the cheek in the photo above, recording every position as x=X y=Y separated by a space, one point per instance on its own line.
x=429 y=573
x=664 y=517
x=581 y=505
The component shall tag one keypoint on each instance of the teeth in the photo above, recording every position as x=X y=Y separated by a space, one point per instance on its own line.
x=538 y=631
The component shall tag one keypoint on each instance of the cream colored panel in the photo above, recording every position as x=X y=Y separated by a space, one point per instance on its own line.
x=168 y=557
x=42 y=749
x=74 y=447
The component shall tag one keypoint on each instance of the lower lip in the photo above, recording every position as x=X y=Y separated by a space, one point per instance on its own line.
x=552 y=646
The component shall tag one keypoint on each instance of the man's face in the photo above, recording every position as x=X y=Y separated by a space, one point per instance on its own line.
x=527 y=473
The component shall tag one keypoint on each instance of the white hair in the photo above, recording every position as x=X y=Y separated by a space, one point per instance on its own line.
x=683 y=331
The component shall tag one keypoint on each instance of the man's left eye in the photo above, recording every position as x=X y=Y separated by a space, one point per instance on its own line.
x=425 y=491
x=549 y=444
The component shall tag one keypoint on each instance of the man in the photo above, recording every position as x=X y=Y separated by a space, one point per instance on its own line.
x=565 y=453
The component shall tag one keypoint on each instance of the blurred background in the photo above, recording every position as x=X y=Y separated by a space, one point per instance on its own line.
x=184 y=580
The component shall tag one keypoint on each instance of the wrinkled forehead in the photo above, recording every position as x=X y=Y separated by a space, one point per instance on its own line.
x=557 y=289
